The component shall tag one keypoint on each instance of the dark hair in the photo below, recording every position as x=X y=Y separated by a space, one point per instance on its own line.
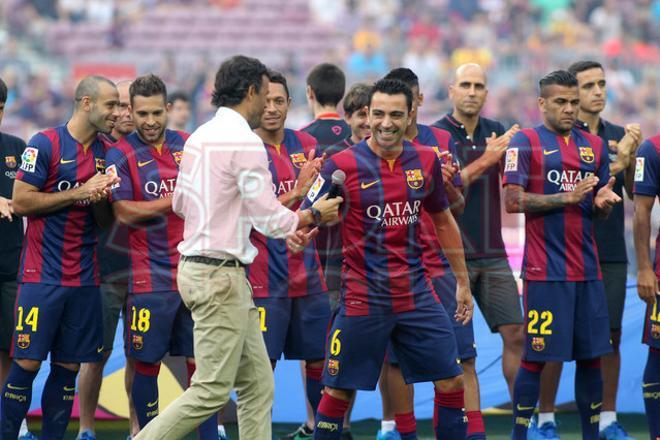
x=328 y=83
x=356 y=98
x=581 y=66
x=89 y=86
x=392 y=87
x=234 y=78
x=559 y=78
x=3 y=92
x=404 y=75
x=177 y=96
x=278 y=78
x=147 y=85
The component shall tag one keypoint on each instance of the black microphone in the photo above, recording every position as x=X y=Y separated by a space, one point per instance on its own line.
x=338 y=178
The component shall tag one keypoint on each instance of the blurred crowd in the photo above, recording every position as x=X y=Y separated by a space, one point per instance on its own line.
x=516 y=40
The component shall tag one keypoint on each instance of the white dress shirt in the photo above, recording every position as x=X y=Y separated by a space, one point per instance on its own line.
x=224 y=189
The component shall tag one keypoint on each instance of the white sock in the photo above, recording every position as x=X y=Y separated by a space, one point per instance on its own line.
x=24 y=428
x=606 y=419
x=546 y=417
x=221 y=430
x=387 y=426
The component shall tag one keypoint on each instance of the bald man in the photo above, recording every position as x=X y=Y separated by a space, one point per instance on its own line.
x=113 y=265
x=62 y=189
x=481 y=144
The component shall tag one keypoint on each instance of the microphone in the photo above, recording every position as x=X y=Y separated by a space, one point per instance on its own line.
x=338 y=178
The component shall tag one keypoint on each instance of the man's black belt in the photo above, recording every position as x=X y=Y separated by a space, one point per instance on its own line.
x=212 y=261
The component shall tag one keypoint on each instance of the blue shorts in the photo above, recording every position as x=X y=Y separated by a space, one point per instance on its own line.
x=565 y=320
x=158 y=323
x=65 y=321
x=422 y=340
x=295 y=327
x=651 y=335
x=445 y=288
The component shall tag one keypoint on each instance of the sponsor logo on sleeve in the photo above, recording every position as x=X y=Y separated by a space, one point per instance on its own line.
x=111 y=170
x=315 y=189
x=29 y=159
x=639 y=169
x=511 y=163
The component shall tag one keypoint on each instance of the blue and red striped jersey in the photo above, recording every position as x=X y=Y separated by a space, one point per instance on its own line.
x=148 y=174
x=559 y=244
x=647 y=180
x=382 y=268
x=440 y=141
x=60 y=247
x=276 y=272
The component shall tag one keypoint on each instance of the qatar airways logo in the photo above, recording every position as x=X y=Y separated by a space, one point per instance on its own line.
x=283 y=187
x=567 y=180
x=65 y=185
x=162 y=189
x=395 y=213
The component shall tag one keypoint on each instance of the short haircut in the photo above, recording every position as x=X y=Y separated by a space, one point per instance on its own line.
x=89 y=86
x=147 y=85
x=3 y=92
x=278 y=78
x=234 y=78
x=392 y=87
x=581 y=66
x=356 y=98
x=177 y=96
x=404 y=75
x=559 y=78
x=328 y=83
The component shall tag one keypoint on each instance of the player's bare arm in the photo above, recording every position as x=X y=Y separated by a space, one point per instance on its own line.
x=306 y=178
x=631 y=141
x=605 y=199
x=451 y=243
x=647 y=283
x=130 y=212
x=28 y=200
x=495 y=149
x=517 y=200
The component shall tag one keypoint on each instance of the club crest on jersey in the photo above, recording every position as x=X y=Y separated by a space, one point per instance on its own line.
x=333 y=367
x=586 y=154
x=29 y=159
x=655 y=331
x=23 y=340
x=538 y=343
x=138 y=342
x=177 y=157
x=100 y=164
x=10 y=161
x=511 y=163
x=336 y=129
x=298 y=159
x=414 y=178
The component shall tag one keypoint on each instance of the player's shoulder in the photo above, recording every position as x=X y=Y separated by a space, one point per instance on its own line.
x=305 y=139
x=11 y=142
x=443 y=136
x=46 y=138
x=176 y=137
x=613 y=131
x=649 y=145
x=593 y=139
x=426 y=154
x=491 y=125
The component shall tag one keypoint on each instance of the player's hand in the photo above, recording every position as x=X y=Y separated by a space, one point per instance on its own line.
x=647 y=286
x=582 y=189
x=635 y=132
x=464 y=304
x=96 y=188
x=329 y=208
x=308 y=173
x=606 y=198
x=6 y=209
x=299 y=240
x=496 y=146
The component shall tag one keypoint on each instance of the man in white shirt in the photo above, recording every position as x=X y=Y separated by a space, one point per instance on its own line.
x=223 y=191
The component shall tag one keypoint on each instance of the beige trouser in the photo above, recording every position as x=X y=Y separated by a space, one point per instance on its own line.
x=229 y=352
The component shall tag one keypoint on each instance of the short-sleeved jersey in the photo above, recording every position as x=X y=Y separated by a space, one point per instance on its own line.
x=60 y=247
x=329 y=130
x=276 y=272
x=11 y=150
x=647 y=180
x=435 y=261
x=146 y=175
x=113 y=249
x=609 y=232
x=481 y=220
x=559 y=244
x=382 y=268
